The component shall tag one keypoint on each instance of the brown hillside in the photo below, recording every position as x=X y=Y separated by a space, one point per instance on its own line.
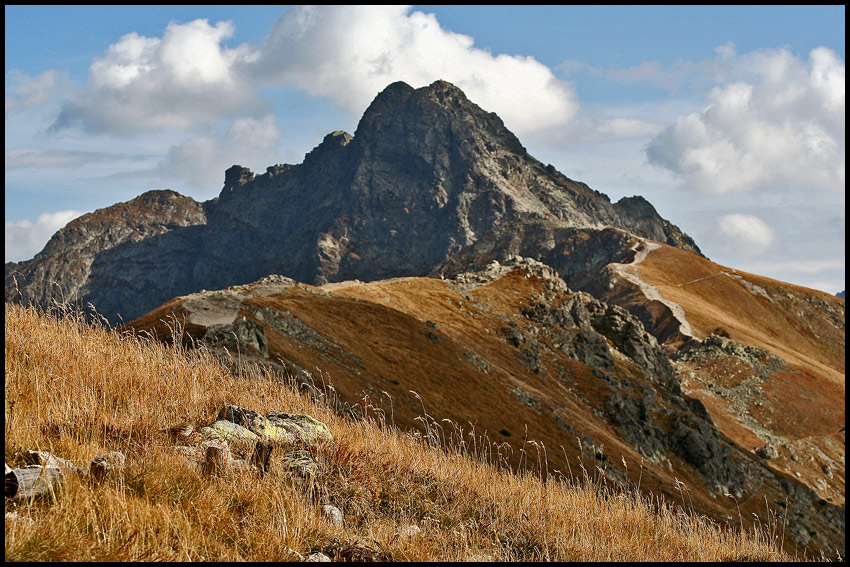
x=799 y=408
x=796 y=323
x=438 y=361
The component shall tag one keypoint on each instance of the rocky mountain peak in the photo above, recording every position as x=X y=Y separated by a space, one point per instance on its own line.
x=331 y=144
x=427 y=176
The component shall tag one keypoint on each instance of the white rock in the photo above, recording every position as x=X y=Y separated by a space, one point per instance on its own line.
x=333 y=514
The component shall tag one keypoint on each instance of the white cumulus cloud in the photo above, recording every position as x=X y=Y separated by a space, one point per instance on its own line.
x=188 y=77
x=184 y=79
x=25 y=238
x=775 y=122
x=350 y=53
x=746 y=234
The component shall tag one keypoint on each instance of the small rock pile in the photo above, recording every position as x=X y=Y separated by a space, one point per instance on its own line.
x=242 y=439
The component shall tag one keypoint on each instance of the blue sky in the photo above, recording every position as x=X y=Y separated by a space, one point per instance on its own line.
x=730 y=120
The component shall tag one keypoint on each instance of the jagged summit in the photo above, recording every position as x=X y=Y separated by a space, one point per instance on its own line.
x=428 y=176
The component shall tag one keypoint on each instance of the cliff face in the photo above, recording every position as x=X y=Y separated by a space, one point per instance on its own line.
x=427 y=177
x=74 y=263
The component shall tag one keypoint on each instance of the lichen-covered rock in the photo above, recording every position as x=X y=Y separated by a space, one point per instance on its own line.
x=301 y=463
x=305 y=428
x=228 y=431
x=279 y=427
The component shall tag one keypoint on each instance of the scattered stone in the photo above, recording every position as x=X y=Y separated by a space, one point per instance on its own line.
x=46 y=459
x=767 y=452
x=31 y=480
x=409 y=531
x=333 y=514
x=317 y=558
x=103 y=466
x=356 y=551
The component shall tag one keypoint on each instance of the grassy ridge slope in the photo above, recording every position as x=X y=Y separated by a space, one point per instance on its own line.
x=80 y=391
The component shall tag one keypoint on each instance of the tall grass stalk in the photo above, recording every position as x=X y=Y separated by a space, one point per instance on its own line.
x=77 y=389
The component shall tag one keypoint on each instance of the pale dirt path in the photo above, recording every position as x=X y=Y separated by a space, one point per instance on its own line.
x=650 y=291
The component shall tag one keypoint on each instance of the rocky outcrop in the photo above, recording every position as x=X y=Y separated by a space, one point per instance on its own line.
x=241 y=438
x=647 y=408
x=763 y=362
x=115 y=258
x=428 y=182
x=637 y=215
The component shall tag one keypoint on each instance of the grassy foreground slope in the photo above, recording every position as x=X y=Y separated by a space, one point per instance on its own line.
x=80 y=391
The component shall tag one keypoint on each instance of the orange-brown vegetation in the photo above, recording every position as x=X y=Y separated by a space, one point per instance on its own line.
x=79 y=391
x=803 y=404
x=434 y=359
x=785 y=319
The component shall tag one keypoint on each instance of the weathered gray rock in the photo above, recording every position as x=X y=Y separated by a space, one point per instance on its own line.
x=767 y=452
x=47 y=459
x=278 y=426
x=426 y=178
x=240 y=337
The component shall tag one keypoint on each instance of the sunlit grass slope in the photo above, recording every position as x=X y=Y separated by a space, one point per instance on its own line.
x=79 y=391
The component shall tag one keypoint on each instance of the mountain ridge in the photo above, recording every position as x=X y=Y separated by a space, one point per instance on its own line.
x=511 y=348
x=510 y=294
x=426 y=174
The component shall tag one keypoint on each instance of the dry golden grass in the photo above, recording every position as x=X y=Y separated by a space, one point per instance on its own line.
x=711 y=299
x=81 y=391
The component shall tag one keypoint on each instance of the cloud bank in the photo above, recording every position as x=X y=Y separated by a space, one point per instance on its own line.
x=746 y=234
x=183 y=80
x=776 y=122
x=348 y=54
